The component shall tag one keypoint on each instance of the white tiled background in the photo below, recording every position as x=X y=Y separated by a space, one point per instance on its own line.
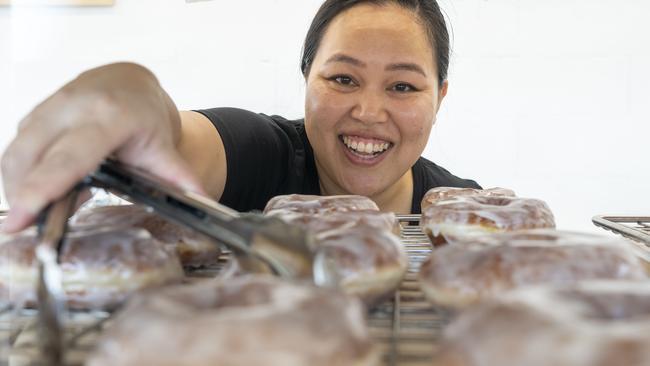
x=550 y=98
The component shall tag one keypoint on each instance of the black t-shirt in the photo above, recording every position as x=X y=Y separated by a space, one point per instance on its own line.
x=270 y=155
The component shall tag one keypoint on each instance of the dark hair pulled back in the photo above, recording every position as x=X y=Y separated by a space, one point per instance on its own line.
x=428 y=12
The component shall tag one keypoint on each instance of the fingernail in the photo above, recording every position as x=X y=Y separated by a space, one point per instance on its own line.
x=17 y=219
x=8 y=224
x=194 y=188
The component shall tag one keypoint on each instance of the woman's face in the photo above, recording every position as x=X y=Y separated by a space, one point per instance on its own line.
x=372 y=97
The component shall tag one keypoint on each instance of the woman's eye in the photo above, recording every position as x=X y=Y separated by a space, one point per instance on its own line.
x=404 y=88
x=343 y=80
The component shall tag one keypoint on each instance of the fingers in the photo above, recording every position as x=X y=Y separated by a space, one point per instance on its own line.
x=19 y=219
x=16 y=220
x=26 y=149
x=103 y=111
x=75 y=155
x=68 y=160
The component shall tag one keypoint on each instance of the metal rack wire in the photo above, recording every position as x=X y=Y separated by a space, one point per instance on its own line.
x=406 y=327
x=632 y=227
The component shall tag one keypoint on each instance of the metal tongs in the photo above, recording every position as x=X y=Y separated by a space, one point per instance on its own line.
x=52 y=226
x=264 y=244
x=261 y=244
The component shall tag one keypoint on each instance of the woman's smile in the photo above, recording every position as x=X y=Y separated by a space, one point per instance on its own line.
x=365 y=151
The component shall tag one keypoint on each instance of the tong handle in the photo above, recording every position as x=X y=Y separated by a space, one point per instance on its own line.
x=52 y=222
x=52 y=225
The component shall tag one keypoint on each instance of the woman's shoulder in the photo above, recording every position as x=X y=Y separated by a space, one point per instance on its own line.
x=241 y=125
x=239 y=116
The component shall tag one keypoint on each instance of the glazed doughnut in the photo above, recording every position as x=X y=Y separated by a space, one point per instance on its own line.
x=251 y=320
x=318 y=223
x=469 y=272
x=459 y=217
x=309 y=204
x=366 y=262
x=357 y=247
x=194 y=249
x=438 y=194
x=100 y=268
x=591 y=324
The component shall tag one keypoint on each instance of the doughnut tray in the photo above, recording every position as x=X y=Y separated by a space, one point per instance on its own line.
x=632 y=227
x=406 y=327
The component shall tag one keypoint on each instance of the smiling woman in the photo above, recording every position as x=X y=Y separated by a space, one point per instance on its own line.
x=373 y=83
x=375 y=74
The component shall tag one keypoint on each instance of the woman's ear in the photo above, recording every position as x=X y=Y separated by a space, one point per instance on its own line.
x=442 y=92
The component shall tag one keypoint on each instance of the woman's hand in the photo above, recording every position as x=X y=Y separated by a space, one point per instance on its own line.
x=117 y=109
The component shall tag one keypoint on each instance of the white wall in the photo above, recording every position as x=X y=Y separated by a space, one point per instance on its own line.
x=546 y=97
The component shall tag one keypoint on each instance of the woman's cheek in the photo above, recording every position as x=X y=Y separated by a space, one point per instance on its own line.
x=323 y=105
x=415 y=121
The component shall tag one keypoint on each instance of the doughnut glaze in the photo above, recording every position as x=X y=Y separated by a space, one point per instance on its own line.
x=250 y=320
x=468 y=272
x=309 y=204
x=193 y=249
x=439 y=194
x=599 y=323
x=467 y=216
x=100 y=268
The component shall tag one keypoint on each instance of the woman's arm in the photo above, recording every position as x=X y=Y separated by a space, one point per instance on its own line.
x=118 y=109
x=201 y=146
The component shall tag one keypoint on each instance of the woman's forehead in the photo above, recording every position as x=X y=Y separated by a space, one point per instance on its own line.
x=386 y=31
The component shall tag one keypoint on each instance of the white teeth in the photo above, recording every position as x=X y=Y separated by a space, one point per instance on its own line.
x=365 y=147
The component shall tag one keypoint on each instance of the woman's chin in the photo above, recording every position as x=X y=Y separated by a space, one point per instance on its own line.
x=368 y=189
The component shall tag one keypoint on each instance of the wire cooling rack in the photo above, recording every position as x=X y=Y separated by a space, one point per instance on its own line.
x=632 y=227
x=406 y=327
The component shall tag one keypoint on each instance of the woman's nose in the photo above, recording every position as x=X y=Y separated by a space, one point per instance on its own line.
x=370 y=107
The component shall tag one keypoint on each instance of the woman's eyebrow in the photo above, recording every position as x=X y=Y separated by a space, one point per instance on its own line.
x=405 y=66
x=340 y=57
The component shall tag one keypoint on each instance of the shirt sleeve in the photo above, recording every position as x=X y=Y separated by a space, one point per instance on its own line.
x=258 y=155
